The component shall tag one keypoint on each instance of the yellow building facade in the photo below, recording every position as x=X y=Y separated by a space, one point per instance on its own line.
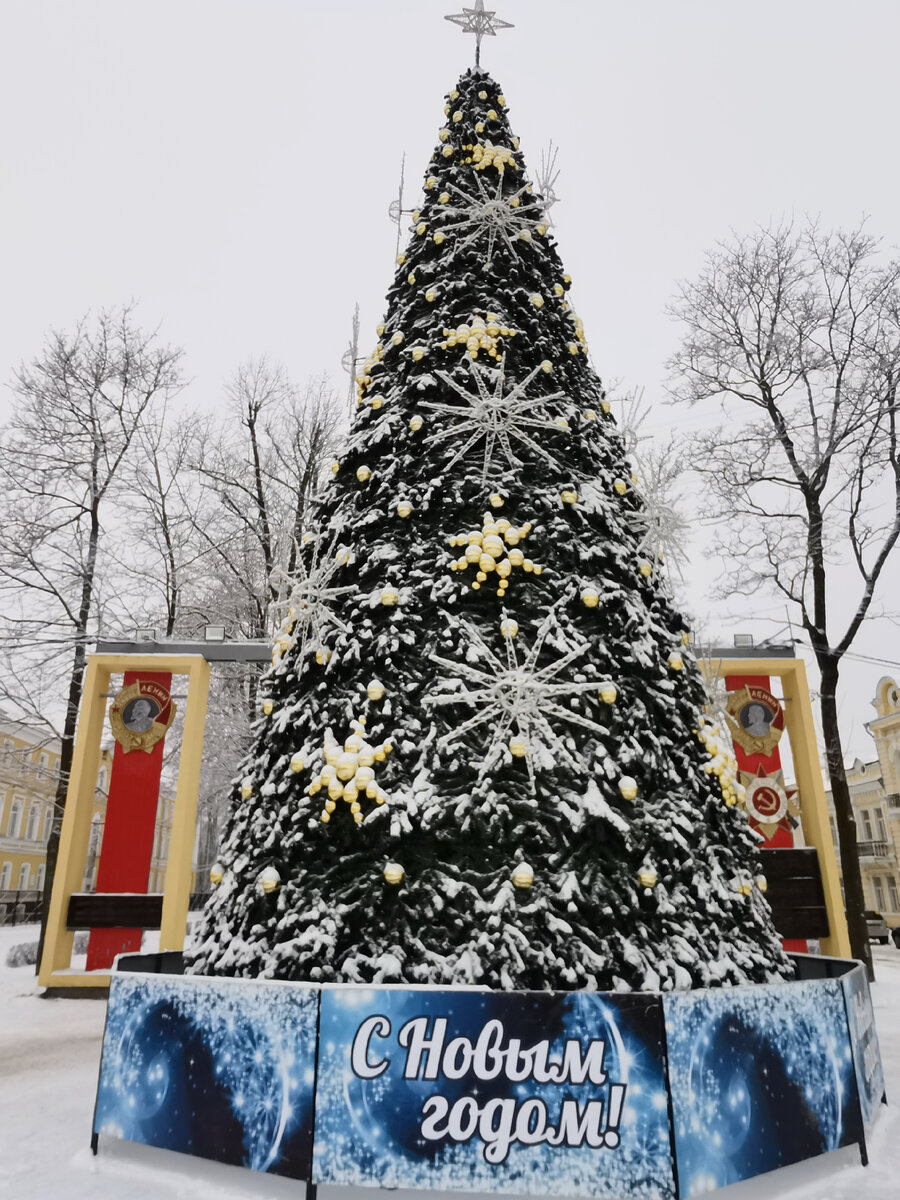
x=29 y=774
x=875 y=796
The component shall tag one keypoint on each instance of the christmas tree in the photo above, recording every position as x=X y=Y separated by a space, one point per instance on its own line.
x=481 y=755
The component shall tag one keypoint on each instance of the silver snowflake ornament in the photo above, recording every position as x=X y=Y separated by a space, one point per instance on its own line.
x=513 y=696
x=490 y=216
x=493 y=415
x=311 y=601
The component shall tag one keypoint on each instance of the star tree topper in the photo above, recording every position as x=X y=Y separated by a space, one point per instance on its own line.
x=480 y=22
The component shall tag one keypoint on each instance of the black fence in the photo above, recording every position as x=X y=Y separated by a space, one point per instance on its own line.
x=20 y=907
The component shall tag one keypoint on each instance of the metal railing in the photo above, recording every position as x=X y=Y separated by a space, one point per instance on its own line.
x=877 y=849
x=20 y=907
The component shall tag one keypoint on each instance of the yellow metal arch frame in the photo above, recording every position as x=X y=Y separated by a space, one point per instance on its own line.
x=56 y=970
x=798 y=720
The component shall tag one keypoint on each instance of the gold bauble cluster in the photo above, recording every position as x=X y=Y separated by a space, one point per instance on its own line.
x=722 y=762
x=494 y=548
x=349 y=773
x=364 y=378
x=485 y=154
x=478 y=333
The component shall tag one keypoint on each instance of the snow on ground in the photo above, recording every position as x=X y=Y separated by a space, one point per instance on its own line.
x=50 y=1056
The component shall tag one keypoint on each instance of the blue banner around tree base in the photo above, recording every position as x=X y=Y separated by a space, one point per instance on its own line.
x=553 y=1094
x=217 y=1068
x=576 y=1093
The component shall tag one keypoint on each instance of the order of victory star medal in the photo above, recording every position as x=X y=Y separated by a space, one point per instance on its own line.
x=755 y=719
x=769 y=802
x=140 y=715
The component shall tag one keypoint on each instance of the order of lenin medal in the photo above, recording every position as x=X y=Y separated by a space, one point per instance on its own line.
x=140 y=715
x=755 y=719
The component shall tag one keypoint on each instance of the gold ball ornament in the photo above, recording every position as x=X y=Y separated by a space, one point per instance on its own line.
x=645 y=568
x=375 y=690
x=606 y=406
x=516 y=558
x=297 y=764
x=335 y=467
x=404 y=508
x=569 y=496
x=444 y=198
x=246 y=791
x=496 y=501
x=523 y=876
x=509 y=628
x=397 y=339
x=389 y=597
x=363 y=473
x=431 y=296
x=323 y=657
x=609 y=693
x=762 y=883
x=377 y=402
x=648 y=879
x=439 y=239
x=267 y=707
x=628 y=788
x=216 y=873
x=325 y=818
x=482 y=95
x=537 y=301
x=675 y=661
x=685 y=639
x=590 y=597
x=620 y=487
x=394 y=874
x=269 y=880
x=518 y=748
x=346 y=768
x=589 y=414
x=416 y=424
x=546 y=366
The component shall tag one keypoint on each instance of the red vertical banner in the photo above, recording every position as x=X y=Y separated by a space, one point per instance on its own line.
x=140 y=716
x=756 y=722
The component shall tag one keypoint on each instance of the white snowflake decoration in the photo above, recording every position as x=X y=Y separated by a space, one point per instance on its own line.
x=310 y=605
x=494 y=416
x=492 y=217
x=511 y=695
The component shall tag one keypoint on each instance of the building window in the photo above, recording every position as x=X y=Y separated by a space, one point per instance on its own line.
x=14 y=824
x=48 y=821
x=34 y=816
x=892 y=894
x=5 y=873
x=879 y=823
x=24 y=872
x=879 y=893
x=867 y=825
x=40 y=877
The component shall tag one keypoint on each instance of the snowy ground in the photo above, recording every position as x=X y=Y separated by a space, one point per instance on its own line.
x=50 y=1054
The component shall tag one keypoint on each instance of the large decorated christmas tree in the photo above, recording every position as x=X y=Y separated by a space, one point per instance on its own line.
x=481 y=755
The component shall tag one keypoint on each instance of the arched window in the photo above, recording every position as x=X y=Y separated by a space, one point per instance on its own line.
x=34 y=816
x=48 y=821
x=24 y=874
x=5 y=873
x=40 y=877
x=13 y=825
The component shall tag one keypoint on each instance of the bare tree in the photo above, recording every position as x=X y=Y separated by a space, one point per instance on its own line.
x=261 y=467
x=79 y=408
x=797 y=334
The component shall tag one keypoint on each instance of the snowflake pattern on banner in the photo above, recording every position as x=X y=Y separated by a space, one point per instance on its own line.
x=219 y=1071
x=760 y=1077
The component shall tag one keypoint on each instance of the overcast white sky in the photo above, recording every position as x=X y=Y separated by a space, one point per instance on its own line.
x=229 y=163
